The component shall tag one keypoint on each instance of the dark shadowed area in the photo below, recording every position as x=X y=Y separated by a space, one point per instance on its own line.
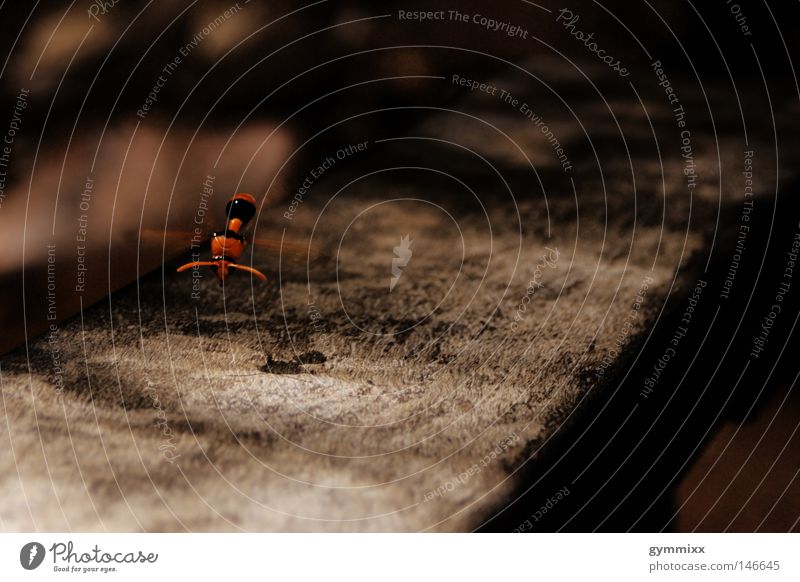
x=530 y=268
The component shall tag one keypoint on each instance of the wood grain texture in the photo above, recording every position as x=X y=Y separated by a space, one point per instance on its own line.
x=326 y=402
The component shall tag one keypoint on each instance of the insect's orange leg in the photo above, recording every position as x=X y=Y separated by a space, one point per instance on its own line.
x=258 y=274
x=197 y=264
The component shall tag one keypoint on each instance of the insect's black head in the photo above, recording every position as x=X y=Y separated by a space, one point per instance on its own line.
x=241 y=206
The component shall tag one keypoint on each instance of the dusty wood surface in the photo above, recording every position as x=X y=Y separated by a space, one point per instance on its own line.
x=325 y=401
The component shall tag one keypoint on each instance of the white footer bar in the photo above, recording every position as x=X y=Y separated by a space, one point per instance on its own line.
x=390 y=557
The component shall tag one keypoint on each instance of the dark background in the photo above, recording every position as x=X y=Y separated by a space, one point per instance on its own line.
x=712 y=449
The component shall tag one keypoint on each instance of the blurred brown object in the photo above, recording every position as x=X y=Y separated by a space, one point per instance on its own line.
x=744 y=479
x=72 y=228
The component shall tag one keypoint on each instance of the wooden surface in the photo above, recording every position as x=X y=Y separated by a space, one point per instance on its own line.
x=326 y=401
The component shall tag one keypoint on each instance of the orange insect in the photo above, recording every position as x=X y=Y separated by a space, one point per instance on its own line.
x=228 y=245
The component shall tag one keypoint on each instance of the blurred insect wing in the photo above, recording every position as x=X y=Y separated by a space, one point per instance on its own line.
x=173 y=240
x=292 y=250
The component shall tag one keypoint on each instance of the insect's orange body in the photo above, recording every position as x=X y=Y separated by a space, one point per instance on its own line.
x=228 y=245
